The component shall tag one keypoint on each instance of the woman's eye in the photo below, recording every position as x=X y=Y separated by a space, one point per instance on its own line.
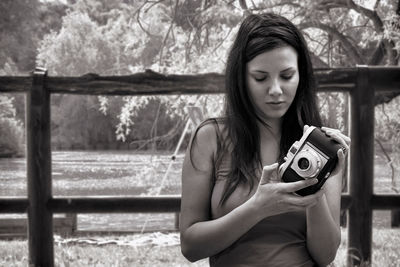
x=260 y=79
x=287 y=77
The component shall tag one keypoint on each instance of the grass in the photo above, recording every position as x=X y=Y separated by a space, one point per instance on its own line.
x=158 y=249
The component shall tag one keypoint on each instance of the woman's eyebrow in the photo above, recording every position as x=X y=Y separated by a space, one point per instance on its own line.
x=259 y=71
x=266 y=72
x=288 y=69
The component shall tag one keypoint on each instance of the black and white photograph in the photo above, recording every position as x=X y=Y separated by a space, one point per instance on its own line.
x=220 y=133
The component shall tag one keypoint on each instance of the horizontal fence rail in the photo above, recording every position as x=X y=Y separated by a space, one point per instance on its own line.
x=152 y=83
x=361 y=82
x=110 y=204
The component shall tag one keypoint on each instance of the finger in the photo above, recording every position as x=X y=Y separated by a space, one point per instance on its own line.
x=294 y=186
x=340 y=134
x=324 y=128
x=274 y=177
x=341 y=157
x=331 y=131
x=305 y=128
x=341 y=163
x=340 y=138
x=268 y=172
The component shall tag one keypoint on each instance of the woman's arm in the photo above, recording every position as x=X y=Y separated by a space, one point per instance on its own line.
x=323 y=223
x=323 y=219
x=203 y=237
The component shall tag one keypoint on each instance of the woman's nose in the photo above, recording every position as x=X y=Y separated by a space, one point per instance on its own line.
x=275 y=88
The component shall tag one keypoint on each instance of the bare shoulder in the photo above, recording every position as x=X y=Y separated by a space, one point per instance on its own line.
x=205 y=138
x=203 y=147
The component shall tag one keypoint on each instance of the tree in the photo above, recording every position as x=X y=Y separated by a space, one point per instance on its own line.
x=193 y=36
x=111 y=43
x=340 y=33
x=23 y=24
x=11 y=130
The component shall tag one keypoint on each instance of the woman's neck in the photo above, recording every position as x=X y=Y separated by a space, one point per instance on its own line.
x=272 y=128
x=270 y=137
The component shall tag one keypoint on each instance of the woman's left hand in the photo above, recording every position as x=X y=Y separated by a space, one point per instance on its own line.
x=338 y=136
x=342 y=139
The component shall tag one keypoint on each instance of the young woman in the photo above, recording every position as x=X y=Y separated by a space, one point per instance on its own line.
x=235 y=210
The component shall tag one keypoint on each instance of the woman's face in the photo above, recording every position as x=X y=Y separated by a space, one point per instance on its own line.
x=272 y=79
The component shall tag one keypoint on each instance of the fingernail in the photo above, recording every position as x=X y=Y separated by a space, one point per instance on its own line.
x=314 y=181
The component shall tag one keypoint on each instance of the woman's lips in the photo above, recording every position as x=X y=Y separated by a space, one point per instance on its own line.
x=276 y=105
x=276 y=102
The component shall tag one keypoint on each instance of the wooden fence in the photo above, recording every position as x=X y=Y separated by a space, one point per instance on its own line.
x=360 y=82
x=63 y=225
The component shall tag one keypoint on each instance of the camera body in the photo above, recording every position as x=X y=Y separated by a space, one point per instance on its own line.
x=313 y=156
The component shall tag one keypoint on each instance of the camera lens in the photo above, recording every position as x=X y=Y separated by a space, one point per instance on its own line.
x=303 y=163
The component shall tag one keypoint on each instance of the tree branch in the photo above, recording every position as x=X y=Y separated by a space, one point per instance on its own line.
x=166 y=137
x=168 y=31
x=371 y=14
x=390 y=163
x=351 y=50
x=244 y=6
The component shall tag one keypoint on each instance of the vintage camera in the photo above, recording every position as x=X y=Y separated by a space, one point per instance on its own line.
x=313 y=156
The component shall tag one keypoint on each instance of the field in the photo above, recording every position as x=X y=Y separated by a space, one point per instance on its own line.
x=85 y=173
x=93 y=173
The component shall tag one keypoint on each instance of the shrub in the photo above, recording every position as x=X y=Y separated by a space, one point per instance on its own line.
x=11 y=138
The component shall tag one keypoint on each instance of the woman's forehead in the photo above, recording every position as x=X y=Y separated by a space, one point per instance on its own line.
x=283 y=58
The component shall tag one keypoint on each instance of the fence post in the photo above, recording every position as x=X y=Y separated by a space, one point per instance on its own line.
x=361 y=170
x=177 y=215
x=395 y=218
x=40 y=219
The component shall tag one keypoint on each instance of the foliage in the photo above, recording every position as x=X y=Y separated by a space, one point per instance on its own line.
x=114 y=44
x=148 y=126
x=6 y=107
x=339 y=34
x=11 y=137
x=192 y=36
x=77 y=43
x=15 y=26
x=11 y=130
x=23 y=24
x=388 y=119
x=345 y=33
x=77 y=123
x=387 y=130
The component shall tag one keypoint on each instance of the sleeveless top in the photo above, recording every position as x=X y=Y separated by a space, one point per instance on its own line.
x=275 y=241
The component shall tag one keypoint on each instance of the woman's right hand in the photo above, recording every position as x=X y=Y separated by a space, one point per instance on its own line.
x=275 y=197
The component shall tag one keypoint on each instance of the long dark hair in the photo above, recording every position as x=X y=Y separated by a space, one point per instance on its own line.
x=258 y=34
